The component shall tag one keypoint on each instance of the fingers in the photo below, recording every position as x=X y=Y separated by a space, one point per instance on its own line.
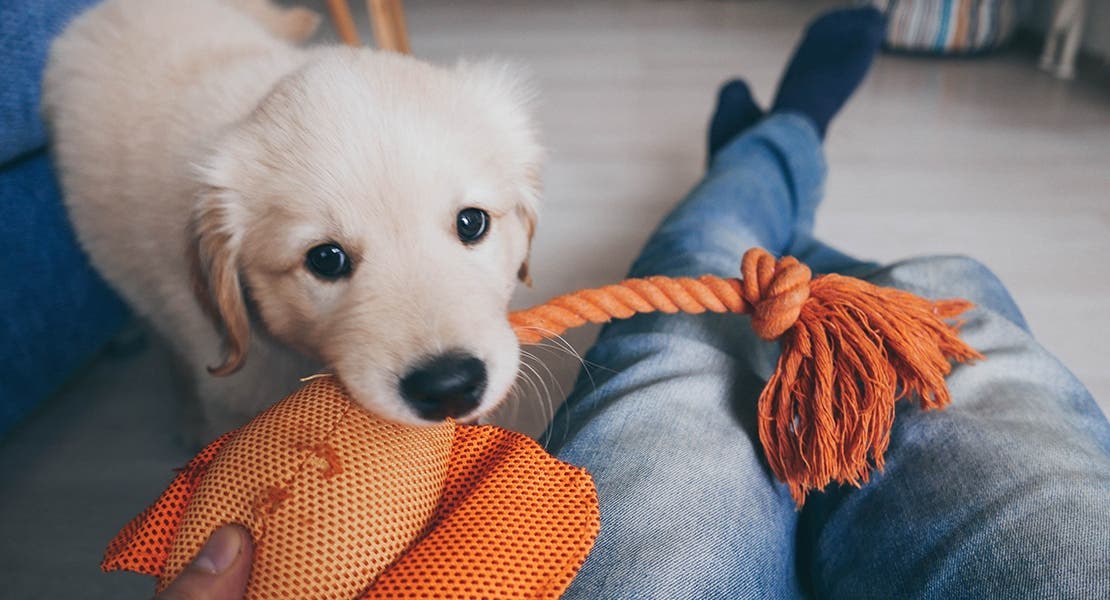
x=219 y=572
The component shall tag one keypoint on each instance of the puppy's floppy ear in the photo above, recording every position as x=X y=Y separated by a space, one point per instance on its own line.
x=526 y=211
x=527 y=208
x=215 y=236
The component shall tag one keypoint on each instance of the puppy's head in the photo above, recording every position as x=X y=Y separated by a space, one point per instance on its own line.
x=375 y=212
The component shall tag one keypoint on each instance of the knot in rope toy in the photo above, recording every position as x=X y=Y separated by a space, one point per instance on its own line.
x=850 y=350
x=776 y=290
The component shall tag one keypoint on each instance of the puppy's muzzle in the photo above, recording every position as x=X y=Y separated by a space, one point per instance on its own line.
x=448 y=385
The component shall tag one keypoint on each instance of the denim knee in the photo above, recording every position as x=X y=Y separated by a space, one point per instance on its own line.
x=952 y=276
x=976 y=507
x=668 y=425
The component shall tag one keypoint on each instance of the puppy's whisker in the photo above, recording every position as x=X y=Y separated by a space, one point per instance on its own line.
x=545 y=396
x=537 y=382
x=554 y=379
x=557 y=342
x=518 y=399
x=563 y=350
x=548 y=403
x=560 y=343
x=526 y=376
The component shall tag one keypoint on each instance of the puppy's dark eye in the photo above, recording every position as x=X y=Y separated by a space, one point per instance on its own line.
x=328 y=261
x=472 y=225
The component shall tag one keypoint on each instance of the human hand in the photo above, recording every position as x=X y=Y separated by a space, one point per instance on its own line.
x=220 y=570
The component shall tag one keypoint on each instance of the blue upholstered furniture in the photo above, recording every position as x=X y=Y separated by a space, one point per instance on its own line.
x=55 y=312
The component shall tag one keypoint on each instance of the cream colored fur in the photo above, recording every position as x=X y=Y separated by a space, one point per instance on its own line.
x=197 y=131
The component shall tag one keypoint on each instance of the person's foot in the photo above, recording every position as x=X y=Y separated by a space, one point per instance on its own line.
x=736 y=111
x=830 y=63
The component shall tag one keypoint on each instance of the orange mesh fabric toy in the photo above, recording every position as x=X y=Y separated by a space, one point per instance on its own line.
x=342 y=505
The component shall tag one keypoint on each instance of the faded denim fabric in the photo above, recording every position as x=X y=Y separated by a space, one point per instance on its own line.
x=1006 y=494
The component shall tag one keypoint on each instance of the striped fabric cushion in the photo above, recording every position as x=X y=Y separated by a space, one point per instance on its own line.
x=949 y=26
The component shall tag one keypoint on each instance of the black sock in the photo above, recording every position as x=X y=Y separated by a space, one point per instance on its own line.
x=830 y=63
x=736 y=111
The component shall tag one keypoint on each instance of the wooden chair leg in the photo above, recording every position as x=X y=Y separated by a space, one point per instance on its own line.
x=387 y=18
x=344 y=23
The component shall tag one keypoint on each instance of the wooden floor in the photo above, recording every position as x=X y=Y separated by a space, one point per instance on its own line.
x=986 y=157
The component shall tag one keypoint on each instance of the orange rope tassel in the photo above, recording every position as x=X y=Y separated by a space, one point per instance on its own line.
x=850 y=350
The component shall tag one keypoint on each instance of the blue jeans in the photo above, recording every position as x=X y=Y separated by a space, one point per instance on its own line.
x=1005 y=494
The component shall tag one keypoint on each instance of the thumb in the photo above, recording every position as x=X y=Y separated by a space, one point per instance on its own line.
x=220 y=570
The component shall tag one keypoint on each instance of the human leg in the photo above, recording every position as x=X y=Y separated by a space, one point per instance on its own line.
x=664 y=417
x=1004 y=494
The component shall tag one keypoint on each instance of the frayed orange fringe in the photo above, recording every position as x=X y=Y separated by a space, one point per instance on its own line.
x=850 y=350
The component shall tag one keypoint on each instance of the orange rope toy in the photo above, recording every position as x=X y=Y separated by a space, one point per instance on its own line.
x=850 y=350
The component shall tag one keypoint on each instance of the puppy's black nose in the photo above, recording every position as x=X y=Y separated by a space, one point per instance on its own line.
x=448 y=385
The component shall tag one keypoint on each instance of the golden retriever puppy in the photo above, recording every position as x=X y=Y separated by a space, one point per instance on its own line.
x=273 y=210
